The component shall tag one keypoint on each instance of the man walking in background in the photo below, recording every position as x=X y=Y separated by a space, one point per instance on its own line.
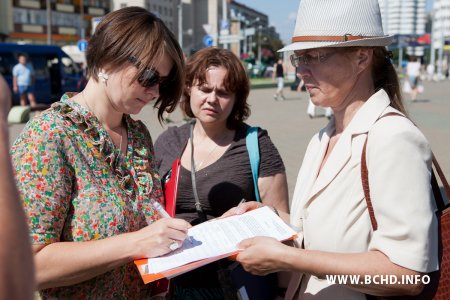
x=23 y=81
x=279 y=74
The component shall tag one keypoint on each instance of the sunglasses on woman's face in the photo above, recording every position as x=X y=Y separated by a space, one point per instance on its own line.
x=150 y=77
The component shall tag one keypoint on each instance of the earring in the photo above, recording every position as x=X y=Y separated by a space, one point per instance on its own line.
x=104 y=77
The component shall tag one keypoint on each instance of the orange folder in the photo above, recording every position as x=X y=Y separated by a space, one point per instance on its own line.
x=147 y=278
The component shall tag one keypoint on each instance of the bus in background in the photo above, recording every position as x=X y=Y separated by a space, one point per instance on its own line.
x=55 y=72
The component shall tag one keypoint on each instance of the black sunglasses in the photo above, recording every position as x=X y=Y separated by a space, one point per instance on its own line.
x=150 y=77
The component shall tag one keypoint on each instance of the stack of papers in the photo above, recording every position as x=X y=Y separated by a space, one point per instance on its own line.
x=214 y=240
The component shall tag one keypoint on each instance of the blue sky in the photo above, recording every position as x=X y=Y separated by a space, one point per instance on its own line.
x=282 y=13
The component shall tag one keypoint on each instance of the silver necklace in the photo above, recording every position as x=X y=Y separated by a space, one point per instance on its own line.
x=121 y=127
x=199 y=165
x=212 y=149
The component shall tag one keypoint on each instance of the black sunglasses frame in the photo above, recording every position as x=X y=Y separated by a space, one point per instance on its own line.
x=150 y=77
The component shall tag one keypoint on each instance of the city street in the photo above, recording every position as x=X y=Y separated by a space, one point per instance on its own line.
x=291 y=129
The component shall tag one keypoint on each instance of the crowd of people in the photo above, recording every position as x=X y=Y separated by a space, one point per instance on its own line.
x=90 y=179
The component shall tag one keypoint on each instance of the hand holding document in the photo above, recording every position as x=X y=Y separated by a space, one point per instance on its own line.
x=213 y=240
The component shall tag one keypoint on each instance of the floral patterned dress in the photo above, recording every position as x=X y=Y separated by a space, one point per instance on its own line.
x=76 y=186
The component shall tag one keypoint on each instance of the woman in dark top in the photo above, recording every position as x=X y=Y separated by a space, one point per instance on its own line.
x=216 y=94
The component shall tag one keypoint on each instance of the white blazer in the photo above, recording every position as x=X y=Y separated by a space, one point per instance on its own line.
x=331 y=207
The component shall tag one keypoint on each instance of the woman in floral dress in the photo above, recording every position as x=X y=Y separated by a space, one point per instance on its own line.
x=85 y=168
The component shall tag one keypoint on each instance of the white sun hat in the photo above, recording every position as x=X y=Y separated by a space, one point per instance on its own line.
x=338 y=23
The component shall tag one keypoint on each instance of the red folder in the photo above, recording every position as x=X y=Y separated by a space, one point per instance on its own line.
x=171 y=188
x=161 y=286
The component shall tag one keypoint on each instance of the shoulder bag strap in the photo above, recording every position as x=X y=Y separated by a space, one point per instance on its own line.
x=251 y=141
x=440 y=203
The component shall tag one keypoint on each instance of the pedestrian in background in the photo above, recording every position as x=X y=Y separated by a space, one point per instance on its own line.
x=24 y=80
x=85 y=168
x=216 y=94
x=430 y=72
x=16 y=260
x=340 y=49
x=279 y=75
x=413 y=76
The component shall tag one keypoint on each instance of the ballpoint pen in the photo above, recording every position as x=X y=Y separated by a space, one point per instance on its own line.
x=240 y=203
x=163 y=214
x=161 y=211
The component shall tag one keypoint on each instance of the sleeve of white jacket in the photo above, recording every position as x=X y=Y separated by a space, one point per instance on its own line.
x=399 y=164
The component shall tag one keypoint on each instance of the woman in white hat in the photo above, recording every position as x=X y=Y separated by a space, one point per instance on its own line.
x=339 y=49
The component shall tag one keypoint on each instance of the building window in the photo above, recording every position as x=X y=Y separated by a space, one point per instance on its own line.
x=122 y=5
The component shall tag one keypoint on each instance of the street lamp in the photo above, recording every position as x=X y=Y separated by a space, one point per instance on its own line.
x=260 y=27
x=180 y=24
x=82 y=33
x=259 y=44
x=49 y=22
x=247 y=25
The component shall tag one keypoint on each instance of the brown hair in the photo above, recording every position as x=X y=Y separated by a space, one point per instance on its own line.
x=235 y=81
x=385 y=77
x=134 y=31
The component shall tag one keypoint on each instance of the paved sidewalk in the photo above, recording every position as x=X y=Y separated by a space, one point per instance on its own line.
x=291 y=129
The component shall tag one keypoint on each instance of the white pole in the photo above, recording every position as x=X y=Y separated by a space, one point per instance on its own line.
x=245 y=37
x=259 y=44
x=224 y=18
x=441 y=54
x=49 y=23
x=433 y=43
x=180 y=23
x=83 y=35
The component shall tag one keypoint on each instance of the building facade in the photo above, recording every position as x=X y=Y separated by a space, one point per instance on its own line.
x=404 y=17
x=52 y=21
x=441 y=36
x=166 y=10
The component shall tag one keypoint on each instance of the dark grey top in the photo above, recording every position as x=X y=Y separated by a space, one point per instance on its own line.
x=222 y=184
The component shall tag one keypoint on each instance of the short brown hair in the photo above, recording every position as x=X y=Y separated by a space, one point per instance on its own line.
x=235 y=81
x=134 y=31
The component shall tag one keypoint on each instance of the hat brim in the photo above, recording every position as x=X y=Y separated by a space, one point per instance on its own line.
x=369 y=42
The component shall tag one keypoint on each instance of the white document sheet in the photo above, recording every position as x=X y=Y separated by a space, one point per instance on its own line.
x=221 y=236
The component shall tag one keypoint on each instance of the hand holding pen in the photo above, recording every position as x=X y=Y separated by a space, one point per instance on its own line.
x=161 y=211
x=165 y=215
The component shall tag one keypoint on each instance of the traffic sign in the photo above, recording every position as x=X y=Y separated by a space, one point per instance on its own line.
x=230 y=39
x=207 y=28
x=94 y=22
x=208 y=41
x=224 y=24
x=82 y=45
